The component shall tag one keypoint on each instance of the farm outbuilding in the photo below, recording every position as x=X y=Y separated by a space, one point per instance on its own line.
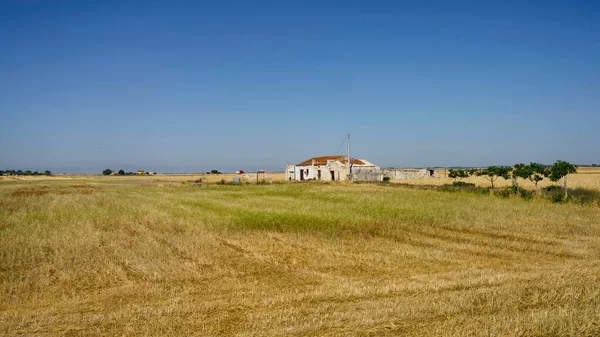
x=334 y=168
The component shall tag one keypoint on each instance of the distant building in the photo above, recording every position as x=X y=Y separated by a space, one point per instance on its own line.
x=334 y=168
x=140 y=172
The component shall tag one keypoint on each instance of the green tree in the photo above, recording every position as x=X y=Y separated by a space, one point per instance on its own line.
x=537 y=173
x=48 y=172
x=560 y=170
x=121 y=172
x=492 y=173
x=215 y=172
x=520 y=171
x=107 y=172
x=458 y=173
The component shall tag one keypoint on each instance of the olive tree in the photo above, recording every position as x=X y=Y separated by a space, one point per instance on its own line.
x=537 y=173
x=520 y=171
x=560 y=170
x=458 y=174
x=492 y=173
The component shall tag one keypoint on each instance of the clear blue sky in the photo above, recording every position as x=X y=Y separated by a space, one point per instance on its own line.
x=178 y=86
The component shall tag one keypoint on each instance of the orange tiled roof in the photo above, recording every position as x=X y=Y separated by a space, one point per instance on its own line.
x=323 y=160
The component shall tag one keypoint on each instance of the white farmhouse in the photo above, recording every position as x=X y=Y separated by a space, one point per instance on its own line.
x=334 y=168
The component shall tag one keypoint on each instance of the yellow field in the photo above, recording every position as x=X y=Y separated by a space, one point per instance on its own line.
x=588 y=178
x=111 y=256
x=206 y=178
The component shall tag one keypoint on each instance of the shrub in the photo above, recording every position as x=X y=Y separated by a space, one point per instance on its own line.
x=507 y=192
x=552 y=188
x=386 y=179
x=462 y=184
x=525 y=194
x=558 y=197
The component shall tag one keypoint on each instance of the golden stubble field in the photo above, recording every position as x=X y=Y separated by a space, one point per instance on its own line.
x=104 y=256
x=586 y=177
x=157 y=178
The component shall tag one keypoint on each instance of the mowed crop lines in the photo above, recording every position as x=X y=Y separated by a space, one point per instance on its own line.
x=104 y=258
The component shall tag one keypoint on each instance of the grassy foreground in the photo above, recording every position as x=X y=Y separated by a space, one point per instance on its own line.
x=101 y=258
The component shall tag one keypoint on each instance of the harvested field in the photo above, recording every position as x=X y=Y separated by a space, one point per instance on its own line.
x=292 y=260
x=587 y=178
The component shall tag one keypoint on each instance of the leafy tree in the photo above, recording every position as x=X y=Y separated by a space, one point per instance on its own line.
x=492 y=173
x=48 y=172
x=560 y=170
x=459 y=174
x=520 y=171
x=215 y=172
x=28 y=173
x=19 y=173
x=121 y=172
x=537 y=173
x=107 y=172
x=1 y=172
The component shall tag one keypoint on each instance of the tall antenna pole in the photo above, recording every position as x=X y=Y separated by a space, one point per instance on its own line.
x=349 y=172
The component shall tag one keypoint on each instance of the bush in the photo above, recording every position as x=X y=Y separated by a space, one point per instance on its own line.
x=525 y=194
x=553 y=188
x=507 y=192
x=386 y=179
x=462 y=184
x=558 y=197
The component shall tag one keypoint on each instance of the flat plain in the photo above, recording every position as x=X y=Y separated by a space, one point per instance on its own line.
x=86 y=255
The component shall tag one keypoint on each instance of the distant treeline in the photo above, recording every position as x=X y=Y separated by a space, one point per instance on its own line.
x=24 y=173
x=107 y=172
x=535 y=172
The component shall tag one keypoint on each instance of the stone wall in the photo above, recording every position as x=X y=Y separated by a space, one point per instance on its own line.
x=366 y=174
x=403 y=174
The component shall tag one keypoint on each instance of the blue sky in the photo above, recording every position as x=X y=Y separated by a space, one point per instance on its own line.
x=189 y=86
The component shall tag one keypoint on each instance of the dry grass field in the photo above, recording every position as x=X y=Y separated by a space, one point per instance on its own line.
x=109 y=256
x=164 y=178
x=586 y=177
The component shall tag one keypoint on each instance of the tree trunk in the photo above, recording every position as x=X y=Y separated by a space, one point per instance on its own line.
x=566 y=195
